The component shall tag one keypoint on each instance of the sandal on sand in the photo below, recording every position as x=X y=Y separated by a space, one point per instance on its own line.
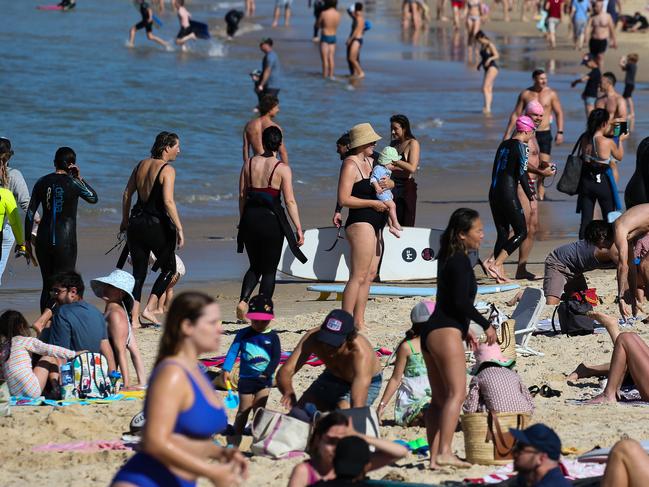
x=534 y=390
x=547 y=391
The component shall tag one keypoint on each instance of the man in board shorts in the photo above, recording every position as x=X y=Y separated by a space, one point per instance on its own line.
x=602 y=28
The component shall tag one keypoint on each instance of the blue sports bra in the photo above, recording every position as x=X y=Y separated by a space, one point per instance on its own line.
x=202 y=419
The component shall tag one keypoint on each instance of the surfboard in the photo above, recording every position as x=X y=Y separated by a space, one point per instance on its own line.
x=157 y=21
x=49 y=7
x=201 y=30
x=411 y=257
x=326 y=290
x=600 y=455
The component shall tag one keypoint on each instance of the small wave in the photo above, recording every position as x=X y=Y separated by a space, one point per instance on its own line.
x=216 y=49
x=430 y=124
x=246 y=27
x=206 y=198
x=228 y=5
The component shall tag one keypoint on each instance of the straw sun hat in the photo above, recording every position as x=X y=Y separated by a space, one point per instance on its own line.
x=362 y=134
x=121 y=280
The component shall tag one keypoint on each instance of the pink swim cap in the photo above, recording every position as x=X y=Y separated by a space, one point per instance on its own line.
x=534 y=108
x=525 y=124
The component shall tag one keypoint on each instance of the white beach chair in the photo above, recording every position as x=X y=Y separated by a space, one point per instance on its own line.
x=526 y=316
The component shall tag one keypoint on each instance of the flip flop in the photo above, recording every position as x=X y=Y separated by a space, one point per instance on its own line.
x=534 y=390
x=547 y=391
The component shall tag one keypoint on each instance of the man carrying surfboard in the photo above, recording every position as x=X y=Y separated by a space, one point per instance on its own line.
x=146 y=23
x=352 y=375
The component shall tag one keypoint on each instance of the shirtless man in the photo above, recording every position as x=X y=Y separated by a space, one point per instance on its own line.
x=601 y=28
x=632 y=245
x=534 y=110
x=352 y=375
x=549 y=99
x=614 y=104
x=328 y=23
x=268 y=110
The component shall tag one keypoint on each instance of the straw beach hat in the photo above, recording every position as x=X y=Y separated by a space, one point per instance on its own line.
x=362 y=134
x=121 y=280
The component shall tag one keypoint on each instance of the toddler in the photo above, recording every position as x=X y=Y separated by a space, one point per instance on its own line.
x=629 y=65
x=387 y=156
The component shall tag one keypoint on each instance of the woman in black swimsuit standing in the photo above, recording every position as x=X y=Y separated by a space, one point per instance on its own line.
x=153 y=224
x=56 y=238
x=447 y=327
x=365 y=221
x=488 y=57
x=263 y=223
x=405 y=187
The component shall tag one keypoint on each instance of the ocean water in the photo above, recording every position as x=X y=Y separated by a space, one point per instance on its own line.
x=69 y=79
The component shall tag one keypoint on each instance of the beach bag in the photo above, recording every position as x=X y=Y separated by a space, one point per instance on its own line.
x=277 y=435
x=5 y=399
x=487 y=440
x=572 y=313
x=569 y=181
x=90 y=379
x=364 y=420
x=507 y=339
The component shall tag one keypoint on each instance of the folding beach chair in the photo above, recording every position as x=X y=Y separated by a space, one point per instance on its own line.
x=526 y=316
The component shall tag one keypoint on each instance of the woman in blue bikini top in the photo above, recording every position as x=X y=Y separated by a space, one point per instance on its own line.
x=182 y=410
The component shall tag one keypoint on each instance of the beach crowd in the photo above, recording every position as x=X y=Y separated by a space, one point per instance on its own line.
x=377 y=186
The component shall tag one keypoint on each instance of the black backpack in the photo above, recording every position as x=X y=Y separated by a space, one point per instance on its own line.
x=572 y=313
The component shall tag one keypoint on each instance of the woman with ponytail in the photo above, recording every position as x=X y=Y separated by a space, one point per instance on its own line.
x=182 y=409
x=447 y=327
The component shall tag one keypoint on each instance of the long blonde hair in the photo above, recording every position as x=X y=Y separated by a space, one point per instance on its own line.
x=186 y=306
x=5 y=155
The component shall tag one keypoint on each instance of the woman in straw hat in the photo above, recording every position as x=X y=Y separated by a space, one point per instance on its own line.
x=365 y=221
x=116 y=290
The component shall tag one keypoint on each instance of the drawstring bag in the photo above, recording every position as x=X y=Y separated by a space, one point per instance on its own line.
x=569 y=181
x=572 y=313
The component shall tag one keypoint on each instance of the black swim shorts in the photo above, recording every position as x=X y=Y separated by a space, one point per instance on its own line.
x=597 y=46
x=252 y=385
x=184 y=32
x=144 y=25
x=544 y=138
x=628 y=90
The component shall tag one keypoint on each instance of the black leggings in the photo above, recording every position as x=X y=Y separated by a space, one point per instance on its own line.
x=143 y=238
x=590 y=192
x=263 y=241
x=508 y=213
x=53 y=259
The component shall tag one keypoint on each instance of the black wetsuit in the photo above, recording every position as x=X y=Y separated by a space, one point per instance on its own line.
x=262 y=229
x=232 y=19
x=151 y=230
x=510 y=170
x=145 y=23
x=56 y=239
x=637 y=190
x=456 y=290
x=363 y=189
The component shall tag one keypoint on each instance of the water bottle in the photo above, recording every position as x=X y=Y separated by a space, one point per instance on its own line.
x=67 y=381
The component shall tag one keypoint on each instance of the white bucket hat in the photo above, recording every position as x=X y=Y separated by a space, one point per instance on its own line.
x=121 y=280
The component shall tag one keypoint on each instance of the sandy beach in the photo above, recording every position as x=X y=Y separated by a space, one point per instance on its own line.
x=214 y=267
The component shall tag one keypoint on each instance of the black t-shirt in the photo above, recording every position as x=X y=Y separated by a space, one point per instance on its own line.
x=592 y=85
x=630 y=69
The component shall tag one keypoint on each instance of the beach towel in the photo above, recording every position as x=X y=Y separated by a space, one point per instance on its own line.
x=41 y=401
x=313 y=361
x=571 y=468
x=85 y=446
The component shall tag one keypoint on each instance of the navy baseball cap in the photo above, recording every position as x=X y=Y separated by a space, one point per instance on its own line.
x=541 y=437
x=336 y=327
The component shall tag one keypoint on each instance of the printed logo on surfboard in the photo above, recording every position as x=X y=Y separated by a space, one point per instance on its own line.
x=409 y=254
x=428 y=254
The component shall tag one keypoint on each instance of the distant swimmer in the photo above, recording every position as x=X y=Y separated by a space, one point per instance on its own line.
x=146 y=23
x=549 y=99
x=186 y=33
x=252 y=145
x=328 y=22
x=355 y=40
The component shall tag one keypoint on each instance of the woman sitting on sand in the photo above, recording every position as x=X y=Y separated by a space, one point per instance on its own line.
x=322 y=447
x=16 y=349
x=405 y=187
x=116 y=290
x=448 y=326
x=182 y=410
x=364 y=222
x=409 y=374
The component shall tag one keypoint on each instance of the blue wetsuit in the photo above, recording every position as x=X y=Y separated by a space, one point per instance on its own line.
x=260 y=354
x=510 y=169
x=200 y=421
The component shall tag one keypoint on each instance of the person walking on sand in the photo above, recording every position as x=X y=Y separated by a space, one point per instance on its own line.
x=328 y=23
x=549 y=99
x=473 y=19
x=263 y=224
x=509 y=170
x=579 y=11
x=488 y=57
x=252 y=143
x=153 y=224
x=147 y=24
x=601 y=29
x=186 y=32
x=553 y=7
x=447 y=327
x=365 y=221
x=355 y=40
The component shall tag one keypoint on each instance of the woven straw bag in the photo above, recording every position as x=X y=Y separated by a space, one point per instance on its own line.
x=487 y=440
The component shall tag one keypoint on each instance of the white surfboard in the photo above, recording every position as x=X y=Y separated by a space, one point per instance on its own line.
x=411 y=257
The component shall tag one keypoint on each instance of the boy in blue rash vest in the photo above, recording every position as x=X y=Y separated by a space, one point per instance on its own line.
x=260 y=353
